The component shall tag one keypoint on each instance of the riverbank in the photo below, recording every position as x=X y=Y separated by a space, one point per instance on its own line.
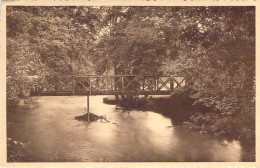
x=180 y=109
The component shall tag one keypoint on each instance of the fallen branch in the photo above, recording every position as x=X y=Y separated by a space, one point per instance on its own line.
x=104 y=118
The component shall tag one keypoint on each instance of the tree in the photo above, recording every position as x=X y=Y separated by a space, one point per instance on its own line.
x=215 y=48
x=44 y=41
x=130 y=43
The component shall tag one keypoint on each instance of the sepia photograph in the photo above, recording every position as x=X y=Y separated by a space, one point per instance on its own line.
x=130 y=83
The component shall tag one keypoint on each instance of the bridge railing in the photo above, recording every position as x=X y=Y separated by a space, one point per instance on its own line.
x=111 y=85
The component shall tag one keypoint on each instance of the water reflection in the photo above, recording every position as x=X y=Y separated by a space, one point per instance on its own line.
x=130 y=136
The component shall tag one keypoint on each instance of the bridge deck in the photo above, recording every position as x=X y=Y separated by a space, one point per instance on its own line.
x=109 y=85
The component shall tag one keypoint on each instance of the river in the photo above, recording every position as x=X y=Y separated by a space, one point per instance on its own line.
x=130 y=136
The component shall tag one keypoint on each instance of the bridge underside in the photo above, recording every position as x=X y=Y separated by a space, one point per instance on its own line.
x=109 y=85
x=104 y=93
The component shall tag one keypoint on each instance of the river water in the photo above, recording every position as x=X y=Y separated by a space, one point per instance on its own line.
x=132 y=136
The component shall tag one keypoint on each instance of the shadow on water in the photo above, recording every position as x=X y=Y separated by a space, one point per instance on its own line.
x=178 y=109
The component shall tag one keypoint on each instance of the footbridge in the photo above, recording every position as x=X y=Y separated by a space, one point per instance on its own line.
x=109 y=85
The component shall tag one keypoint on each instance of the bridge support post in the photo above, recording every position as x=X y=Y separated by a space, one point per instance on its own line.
x=88 y=107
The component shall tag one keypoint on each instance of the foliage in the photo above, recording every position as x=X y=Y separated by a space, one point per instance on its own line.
x=131 y=45
x=45 y=41
x=15 y=150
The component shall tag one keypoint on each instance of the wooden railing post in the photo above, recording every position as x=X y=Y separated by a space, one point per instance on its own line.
x=56 y=84
x=106 y=78
x=89 y=88
x=157 y=83
x=73 y=85
x=123 y=87
x=171 y=84
x=143 y=83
